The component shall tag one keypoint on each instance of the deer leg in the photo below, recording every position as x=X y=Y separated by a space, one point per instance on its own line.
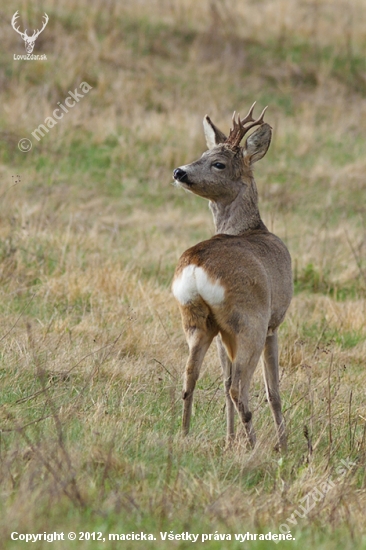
x=271 y=380
x=227 y=366
x=244 y=365
x=198 y=341
x=240 y=396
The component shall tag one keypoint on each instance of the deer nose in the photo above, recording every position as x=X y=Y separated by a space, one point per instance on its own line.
x=180 y=174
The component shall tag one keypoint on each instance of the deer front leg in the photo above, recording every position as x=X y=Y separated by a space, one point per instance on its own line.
x=271 y=380
x=227 y=366
x=198 y=341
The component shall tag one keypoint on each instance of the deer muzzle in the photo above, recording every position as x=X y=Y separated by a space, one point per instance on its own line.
x=180 y=175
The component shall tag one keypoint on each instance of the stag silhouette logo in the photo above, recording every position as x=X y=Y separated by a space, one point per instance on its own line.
x=29 y=41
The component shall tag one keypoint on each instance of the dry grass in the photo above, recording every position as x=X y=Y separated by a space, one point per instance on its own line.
x=90 y=231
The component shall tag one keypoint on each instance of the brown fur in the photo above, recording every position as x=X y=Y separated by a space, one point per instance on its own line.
x=253 y=267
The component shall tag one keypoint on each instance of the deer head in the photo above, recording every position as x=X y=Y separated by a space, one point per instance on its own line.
x=226 y=168
x=28 y=40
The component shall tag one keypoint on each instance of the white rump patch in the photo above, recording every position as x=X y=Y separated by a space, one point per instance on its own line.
x=185 y=288
x=194 y=282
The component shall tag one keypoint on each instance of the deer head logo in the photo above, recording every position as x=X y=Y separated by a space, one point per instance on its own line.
x=29 y=41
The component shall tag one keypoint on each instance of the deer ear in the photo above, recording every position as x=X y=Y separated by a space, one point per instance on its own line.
x=256 y=145
x=213 y=135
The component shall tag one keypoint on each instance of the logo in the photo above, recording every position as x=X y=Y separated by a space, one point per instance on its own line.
x=29 y=41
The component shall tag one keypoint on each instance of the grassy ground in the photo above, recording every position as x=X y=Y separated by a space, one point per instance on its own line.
x=92 y=352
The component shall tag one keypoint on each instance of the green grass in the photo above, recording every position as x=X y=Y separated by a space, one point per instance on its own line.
x=92 y=351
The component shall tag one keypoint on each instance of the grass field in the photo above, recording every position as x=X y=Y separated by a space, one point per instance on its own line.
x=92 y=351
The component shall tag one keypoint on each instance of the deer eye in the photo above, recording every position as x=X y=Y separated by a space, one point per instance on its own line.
x=219 y=165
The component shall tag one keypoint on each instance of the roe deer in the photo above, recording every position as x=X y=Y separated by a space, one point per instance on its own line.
x=238 y=284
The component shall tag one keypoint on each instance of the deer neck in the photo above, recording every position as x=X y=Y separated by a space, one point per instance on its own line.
x=240 y=215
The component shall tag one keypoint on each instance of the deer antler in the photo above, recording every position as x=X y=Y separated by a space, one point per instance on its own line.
x=14 y=21
x=239 y=130
x=44 y=24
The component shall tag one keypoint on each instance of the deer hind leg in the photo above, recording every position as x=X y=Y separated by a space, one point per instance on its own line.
x=244 y=366
x=227 y=367
x=271 y=380
x=200 y=329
